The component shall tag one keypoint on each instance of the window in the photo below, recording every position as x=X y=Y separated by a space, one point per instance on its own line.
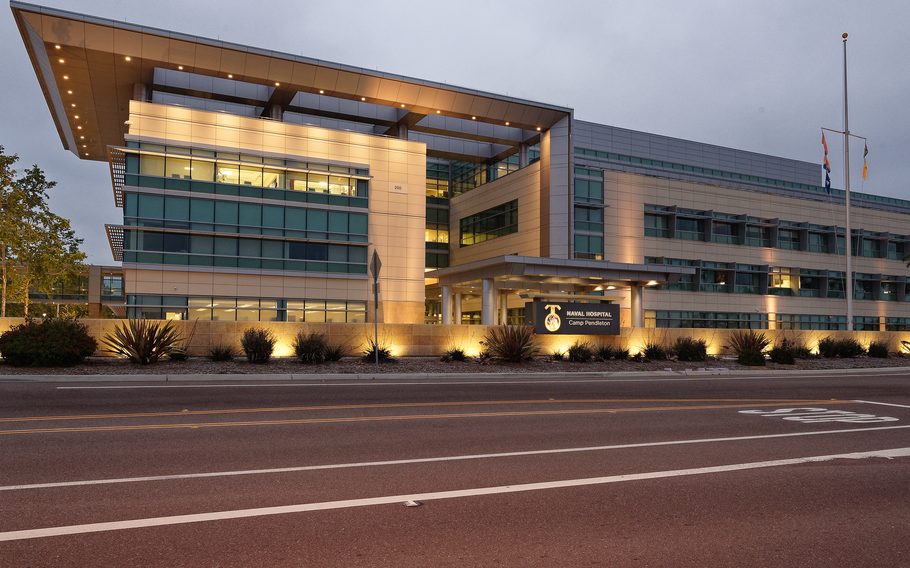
x=490 y=224
x=724 y=233
x=656 y=225
x=589 y=191
x=800 y=321
x=713 y=280
x=589 y=247
x=690 y=229
x=810 y=283
x=589 y=219
x=788 y=239
x=781 y=281
x=836 y=286
x=746 y=283
x=757 y=236
x=818 y=242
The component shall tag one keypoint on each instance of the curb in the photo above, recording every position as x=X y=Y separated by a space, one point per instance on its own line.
x=305 y=378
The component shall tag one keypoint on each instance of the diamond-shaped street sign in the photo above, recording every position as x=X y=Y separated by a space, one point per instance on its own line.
x=375 y=266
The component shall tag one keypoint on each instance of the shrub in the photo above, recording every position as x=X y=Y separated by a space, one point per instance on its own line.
x=454 y=354
x=689 y=349
x=849 y=348
x=310 y=347
x=748 y=346
x=180 y=352
x=258 y=344
x=143 y=341
x=747 y=340
x=580 y=352
x=605 y=353
x=558 y=356
x=751 y=358
x=784 y=352
x=846 y=348
x=654 y=351
x=370 y=353
x=513 y=343
x=222 y=352
x=51 y=342
x=334 y=353
x=878 y=350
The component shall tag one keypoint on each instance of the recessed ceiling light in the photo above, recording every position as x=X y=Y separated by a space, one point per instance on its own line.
x=57 y=46
x=180 y=67
x=84 y=146
x=69 y=92
x=276 y=84
x=438 y=111
x=78 y=128
x=61 y=61
x=230 y=76
x=363 y=98
x=538 y=129
x=82 y=138
x=129 y=58
x=507 y=124
x=402 y=106
x=473 y=118
x=66 y=76
x=73 y=104
x=321 y=91
x=77 y=116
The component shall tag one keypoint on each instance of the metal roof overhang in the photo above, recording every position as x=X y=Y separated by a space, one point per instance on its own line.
x=547 y=274
x=88 y=67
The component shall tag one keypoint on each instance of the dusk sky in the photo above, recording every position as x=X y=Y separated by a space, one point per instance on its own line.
x=760 y=76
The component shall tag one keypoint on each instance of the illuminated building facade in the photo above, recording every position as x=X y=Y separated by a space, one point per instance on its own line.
x=256 y=186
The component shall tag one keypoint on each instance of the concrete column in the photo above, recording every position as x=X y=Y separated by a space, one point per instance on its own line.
x=276 y=112
x=488 y=303
x=458 y=309
x=95 y=283
x=637 y=314
x=403 y=131
x=446 y=305
x=523 y=158
x=503 y=308
x=140 y=92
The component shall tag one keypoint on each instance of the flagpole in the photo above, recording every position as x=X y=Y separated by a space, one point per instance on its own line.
x=849 y=252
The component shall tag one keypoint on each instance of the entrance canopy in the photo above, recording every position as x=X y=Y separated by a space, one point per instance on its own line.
x=544 y=278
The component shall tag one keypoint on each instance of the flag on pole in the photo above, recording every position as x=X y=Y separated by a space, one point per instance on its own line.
x=865 y=167
x=827 y=166
x=828 y=182
x=825 y=144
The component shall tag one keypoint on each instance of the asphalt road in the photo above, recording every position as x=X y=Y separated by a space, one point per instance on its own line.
x=626 y=471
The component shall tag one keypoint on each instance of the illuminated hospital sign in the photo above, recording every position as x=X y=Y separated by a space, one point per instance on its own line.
x=562 y=318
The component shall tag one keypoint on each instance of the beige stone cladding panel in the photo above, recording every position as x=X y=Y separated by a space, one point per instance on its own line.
x=523 y=185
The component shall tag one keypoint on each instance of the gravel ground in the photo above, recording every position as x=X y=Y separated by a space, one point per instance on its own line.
x=351 y=365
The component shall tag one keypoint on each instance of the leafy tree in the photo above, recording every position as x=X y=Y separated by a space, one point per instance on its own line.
x=37 y=247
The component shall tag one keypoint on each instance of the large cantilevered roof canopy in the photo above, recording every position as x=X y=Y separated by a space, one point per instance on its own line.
x=89 y=68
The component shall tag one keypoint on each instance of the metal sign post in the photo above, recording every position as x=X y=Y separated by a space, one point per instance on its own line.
x=375 y=266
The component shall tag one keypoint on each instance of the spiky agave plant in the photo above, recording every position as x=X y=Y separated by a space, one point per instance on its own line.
x=143 y=341
x=513 y=343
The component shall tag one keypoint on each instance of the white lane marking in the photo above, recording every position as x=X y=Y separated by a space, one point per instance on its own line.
x=810 y=415
x=431 y=460
x=423 y=497
x=882 y=403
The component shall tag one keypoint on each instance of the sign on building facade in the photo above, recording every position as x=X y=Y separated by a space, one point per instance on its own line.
x=572 y=318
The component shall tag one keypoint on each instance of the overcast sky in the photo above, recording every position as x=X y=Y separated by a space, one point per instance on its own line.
x=758 y=76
